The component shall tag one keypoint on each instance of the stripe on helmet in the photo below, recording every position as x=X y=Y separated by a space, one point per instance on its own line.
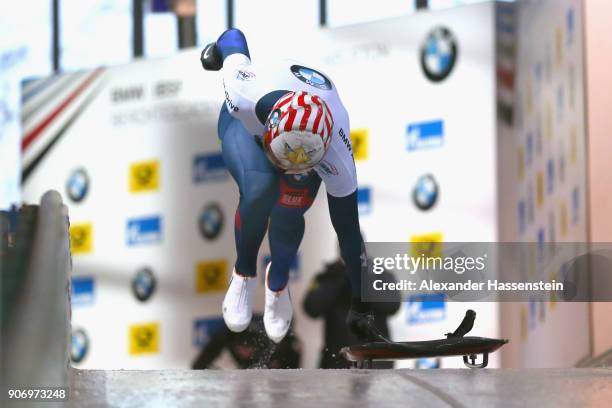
x=290 y=119
x=317 y=120
x=285 y=99
x=306 y=116
x=314 y=112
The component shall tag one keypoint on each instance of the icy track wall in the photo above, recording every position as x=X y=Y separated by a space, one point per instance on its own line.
x=35 y=263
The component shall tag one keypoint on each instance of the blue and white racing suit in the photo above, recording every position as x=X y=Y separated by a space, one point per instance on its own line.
x=265 y=192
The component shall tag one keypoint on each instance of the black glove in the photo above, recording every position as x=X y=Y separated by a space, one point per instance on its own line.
x=211 y=58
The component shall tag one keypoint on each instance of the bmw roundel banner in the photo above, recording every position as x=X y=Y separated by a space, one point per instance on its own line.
x=439 y=54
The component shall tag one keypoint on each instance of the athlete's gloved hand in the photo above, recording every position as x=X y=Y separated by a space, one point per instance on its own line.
x=364 y=327
x=211 y=58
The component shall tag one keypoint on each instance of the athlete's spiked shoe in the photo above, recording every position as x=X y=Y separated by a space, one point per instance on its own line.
x=238 y=302
x=278 y=311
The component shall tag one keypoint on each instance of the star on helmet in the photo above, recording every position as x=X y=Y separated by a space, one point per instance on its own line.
x=298 y=156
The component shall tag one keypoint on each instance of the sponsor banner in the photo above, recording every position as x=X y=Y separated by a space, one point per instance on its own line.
x=144 y=176
x=505 y=112
x=359 y=142
x=521 y=163
x=540 y=189
x=552 y=231
x=570 y=26
x=79 y=345
x=505 y=77
x=211 y=276
x=529 y=148
x=144 y=284
x=426 y=308
x=364 y=200
x=524 y=323
x=439 y=54
x=425 y=135
x=209 y=167
x=77 y=185
x=575 y=205
x=532 y=314
x=82 y=290
x=145 y=230
x=541 y=238
x=427 y=244
x=530 y=203
x=211 y=221
x=573 y=144
x=81 y=238
x=550 y=176
x=564 y=219
x=144 y=338
x=425 y=192
x=522 y=217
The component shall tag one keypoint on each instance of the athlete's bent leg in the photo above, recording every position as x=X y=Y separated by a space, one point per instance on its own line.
x=257 y=181
x=297 y=193
x=258 y=184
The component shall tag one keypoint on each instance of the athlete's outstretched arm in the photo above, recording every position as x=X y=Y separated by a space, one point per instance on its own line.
x=231 y=42
x=345 y=219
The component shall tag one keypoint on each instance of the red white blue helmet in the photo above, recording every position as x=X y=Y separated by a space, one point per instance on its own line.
x=298 y=132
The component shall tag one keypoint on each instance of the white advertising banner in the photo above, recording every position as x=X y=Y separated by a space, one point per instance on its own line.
x=420 y=92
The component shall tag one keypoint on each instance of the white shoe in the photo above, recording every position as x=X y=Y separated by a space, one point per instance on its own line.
x=278 y=312
x=238 y=302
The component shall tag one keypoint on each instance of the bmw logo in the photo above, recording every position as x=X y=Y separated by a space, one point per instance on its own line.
x=311 y=77
x=439 y=54
x=77 y=185
x=425 y=193
x=79 y=345
x=143 y=284
x=211 y=221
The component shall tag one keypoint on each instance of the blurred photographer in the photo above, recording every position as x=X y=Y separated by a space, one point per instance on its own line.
x=329 y=297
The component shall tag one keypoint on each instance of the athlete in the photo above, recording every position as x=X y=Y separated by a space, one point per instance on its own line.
x=283 y=129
